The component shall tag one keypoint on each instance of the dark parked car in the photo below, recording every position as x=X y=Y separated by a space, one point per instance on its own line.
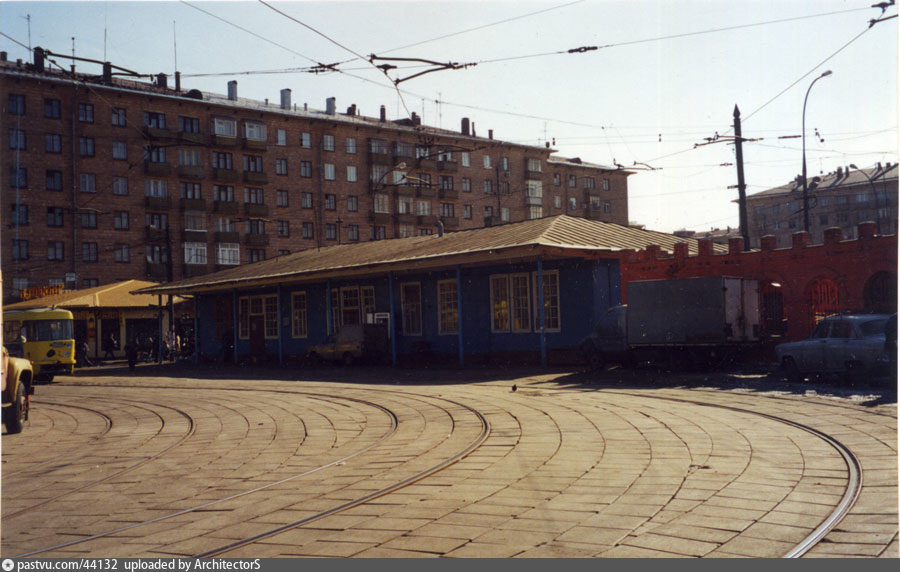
x=855 y=345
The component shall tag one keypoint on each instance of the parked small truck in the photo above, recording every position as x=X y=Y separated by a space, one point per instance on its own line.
x=678 y=323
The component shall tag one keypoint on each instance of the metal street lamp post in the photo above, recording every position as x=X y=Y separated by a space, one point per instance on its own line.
x=805 y=188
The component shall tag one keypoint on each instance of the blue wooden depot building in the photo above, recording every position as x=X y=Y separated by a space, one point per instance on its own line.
x=524 y=289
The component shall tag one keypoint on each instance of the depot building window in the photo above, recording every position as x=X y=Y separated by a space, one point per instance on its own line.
x=250 y=307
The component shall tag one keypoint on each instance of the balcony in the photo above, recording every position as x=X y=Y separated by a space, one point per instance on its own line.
x=426 y=192
x=193 y=205
x=192 y=270
x=381 y=159
x=534 y=176
x=157 y=272
x=405 y=190
x=227 y=175
x=157 y=203
x=253 y=209
x=188 y=235
x=253 y=239
x=448 y=166
x=254 y=144
x=534 y=201
x=226 y=236
x=427 y=220
x=156 y=132
x=255 y=178
x=153 y=234
x=224 y=141
x=449 y=194
x=190 y=171
x=193 y=138
x=380 y=218
x=407 y=218
x=424 y=163
x=157 y=169
x=225 y=207
x=450 y=222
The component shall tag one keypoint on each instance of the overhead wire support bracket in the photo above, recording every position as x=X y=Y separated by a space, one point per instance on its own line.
x=439 y=66
x=582 y=49
x=324 y=68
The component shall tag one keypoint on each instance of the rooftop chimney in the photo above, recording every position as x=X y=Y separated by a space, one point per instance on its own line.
x=107 y=72
x=232 y=90
x=351 y=111
x=162 y=81
x=3 y=56
x=464 y=128
x=490 y=133
x=383 y=116
x=38 y=59
x=330 y=105
x=286 y=98
x=178 y=81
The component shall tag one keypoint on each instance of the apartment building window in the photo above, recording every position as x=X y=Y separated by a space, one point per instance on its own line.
x=155 y=119
x=378 y=233
x=328 y=142
x=306 y=140
x=283 y=252
x=353 y=232
x=862 y=197
x=535 y=213
x=253 y=195
x=86 y=112
x=224 y=224
x=281 y=167
x=52 y=109
x=86 y=146
x=195 y=221
x=604 y=184
x=465 y=159
x=255 y=130
x=446 y=183
x=189 y=157
x=119 y=150
x=253 y=164
x=447 y=209
x=573 y=181
x=89 y=252
x=88 y=183
x=118 y=117
x=255 y=226
x=445 y=156
x=16 y=104
x=329 y=172
x=351 y=174
x=284 y=228
x=189 y=190
x=467 y=211
x=195 y=253
x=352 y=203
x=534 y=189
x=448 y=308
x=504 y=214
x=188 y=124
x=486 y=160
x=557 y=201
x=466 y=185
x=122 y=253
x=590 y=183
x=18 y=177
x=382 y=203
x=225 y=127
x=298 y=315
x=504 y=164
x=330 y=231
x=423 y=208
x=16 y=139
x=223 y=193
x=330 y=202
x=350 y=145
x=52 y=143
x=158 y=221
x=89 y=219
x=222 y=160
x=305 y=169
x=228 y=253
x=256 y=255
x=54 y=216
x=156 y=188
x=405 y=230
x=404 y=205
x=54 y=180
x=488 y=187
x=534 y=165
x=154 y=154
x=19 y=249
x=488 y=212
x=281 y=198
x=18 y=215
x=378 y=147
x=306 y=200
x=423 y=152
x=607 y=207
x=411 y=308
x=280 y=137
x=120 y=220
x=56 y=250
x=308 y=230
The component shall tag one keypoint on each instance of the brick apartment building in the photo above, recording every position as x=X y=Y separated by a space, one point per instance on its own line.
x=109 y=179
x=844 y=198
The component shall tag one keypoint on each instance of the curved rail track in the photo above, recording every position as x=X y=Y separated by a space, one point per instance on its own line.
x=460 y=452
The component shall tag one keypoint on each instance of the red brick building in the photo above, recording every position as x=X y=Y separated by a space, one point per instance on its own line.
x=797 y=284
x=107 y=179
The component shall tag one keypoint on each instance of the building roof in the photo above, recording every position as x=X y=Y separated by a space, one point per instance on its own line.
x=116 y=295
x=843 y=177
x=577 y=162
x=551 y=237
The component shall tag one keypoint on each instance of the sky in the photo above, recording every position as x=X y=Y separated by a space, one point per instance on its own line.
x=657 y=95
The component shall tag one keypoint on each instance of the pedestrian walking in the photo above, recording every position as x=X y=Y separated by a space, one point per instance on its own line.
x=109 y=345
x=131 y=353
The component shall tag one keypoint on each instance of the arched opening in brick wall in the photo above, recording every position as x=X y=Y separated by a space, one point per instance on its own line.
x=822 y=299
x=771 y=304
x=880 y=293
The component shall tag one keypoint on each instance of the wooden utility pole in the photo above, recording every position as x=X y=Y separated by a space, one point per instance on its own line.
x=742 y=188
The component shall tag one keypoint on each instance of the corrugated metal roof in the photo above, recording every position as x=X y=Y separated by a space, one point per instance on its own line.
x=563 y=232
x=832 y=181
x=116 y=295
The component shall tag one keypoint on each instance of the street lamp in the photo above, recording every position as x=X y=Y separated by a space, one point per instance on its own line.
x=805 y=189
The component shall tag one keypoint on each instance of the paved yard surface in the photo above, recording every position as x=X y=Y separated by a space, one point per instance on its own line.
x=379 y=462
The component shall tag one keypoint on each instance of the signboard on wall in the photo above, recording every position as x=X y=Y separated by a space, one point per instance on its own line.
x=40 y=292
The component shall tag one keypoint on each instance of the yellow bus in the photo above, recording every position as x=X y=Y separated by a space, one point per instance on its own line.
x=45 y=336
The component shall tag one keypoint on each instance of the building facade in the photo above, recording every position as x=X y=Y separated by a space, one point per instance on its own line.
x=108 y=179
x=844 y=199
